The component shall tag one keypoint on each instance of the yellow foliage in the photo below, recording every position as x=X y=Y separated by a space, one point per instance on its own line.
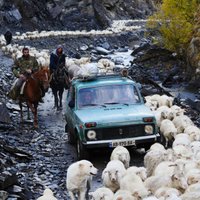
x=175 y=20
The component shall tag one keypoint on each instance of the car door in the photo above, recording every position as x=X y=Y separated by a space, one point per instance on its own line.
x=70 y=108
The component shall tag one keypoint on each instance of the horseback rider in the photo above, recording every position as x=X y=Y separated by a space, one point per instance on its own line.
x=23 y=67
x=59 y=75
x=57 y=59
x=57 y=66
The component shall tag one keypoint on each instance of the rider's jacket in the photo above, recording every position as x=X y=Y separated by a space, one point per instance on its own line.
x=24 y=63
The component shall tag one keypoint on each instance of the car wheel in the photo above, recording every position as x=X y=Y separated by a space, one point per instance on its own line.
x=71 y=136
x=82 y=151
x=147 y=147
x=66 y=128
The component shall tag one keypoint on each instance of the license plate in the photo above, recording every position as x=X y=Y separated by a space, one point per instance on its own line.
x=122 y=143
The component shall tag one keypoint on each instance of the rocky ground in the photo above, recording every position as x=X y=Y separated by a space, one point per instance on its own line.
x=32 y=159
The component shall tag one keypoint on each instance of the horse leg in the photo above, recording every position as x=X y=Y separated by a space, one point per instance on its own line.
x=34 y=111
x=55 y=99
x=60 y=96
x=21 y=112
x=35 y=116
x=54 y=91
x=28 y=113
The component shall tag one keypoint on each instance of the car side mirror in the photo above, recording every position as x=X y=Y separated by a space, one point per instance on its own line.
x=139 y=86
x=71 y=104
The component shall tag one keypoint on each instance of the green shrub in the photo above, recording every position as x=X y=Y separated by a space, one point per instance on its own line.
x=175 y=20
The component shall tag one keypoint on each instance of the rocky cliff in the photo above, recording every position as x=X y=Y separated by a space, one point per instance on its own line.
x=70 y=14
x=193 y=55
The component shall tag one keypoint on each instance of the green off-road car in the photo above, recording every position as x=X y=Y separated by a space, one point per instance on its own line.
x=107 y=111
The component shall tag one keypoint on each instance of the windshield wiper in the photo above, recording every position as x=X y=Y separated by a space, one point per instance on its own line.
x=93 y=104
x=112 y=103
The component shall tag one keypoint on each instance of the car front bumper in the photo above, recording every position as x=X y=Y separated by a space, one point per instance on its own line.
x=138 y=141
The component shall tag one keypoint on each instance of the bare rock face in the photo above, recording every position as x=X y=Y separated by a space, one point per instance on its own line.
x=71 y=14
x=193 y=58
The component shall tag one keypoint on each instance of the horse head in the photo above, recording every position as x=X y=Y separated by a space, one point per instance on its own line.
x=44 y=76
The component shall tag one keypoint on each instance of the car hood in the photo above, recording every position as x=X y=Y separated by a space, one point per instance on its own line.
x=113 y=114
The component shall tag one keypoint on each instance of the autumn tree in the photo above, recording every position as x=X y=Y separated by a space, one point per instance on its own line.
x=175 y=20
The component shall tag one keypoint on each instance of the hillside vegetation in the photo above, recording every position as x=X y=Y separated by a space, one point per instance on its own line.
x=177 y=22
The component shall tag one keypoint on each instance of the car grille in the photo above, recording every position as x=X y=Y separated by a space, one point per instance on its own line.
x=120 y=132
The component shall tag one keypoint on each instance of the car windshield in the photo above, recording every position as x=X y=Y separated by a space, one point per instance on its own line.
x=108 y=95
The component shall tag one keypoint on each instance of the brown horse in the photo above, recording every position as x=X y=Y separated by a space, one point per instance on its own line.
x=33 y=92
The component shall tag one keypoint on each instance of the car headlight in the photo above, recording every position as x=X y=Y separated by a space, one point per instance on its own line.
x=148 y=129
x=91 y=134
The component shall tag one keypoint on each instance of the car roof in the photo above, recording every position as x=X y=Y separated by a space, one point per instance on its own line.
x=102 y=80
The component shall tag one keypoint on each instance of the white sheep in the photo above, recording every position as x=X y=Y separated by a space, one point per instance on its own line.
x=151 y=198
x=153 y=105
x=154 y=157
x=167 y=111
x=197 y=156
x=193 y=176
x=81 y=61
x=101 y=193
x=140 y=171
x=181 y=122
x=178 y=111
x=182 y=152
x=165 y=100
x=157 y=146
x=151 y=102
x=193 y=188
x=195 y=147
x=47 y=195
x=193 y=132
x=107 y=63
x=123 y=195
x=181 y=139
x=165 y=167
x=160 y=116
x=69 y=62
x=133 y=183
x=168 y=131
x=164 y=192
x=190 y=164
x=155 y=97
x=112 y=174
x=191 y=196
x=177 y=180
x=122 y=154
x=73 y=71
x=172 y=197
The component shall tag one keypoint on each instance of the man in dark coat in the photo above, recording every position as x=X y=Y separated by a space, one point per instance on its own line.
x=59 y=74
x=57 y=59
x=8 y=37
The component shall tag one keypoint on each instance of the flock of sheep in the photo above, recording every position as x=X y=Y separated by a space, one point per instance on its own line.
x=117 y=26
x=75 y=67
x=169 y=173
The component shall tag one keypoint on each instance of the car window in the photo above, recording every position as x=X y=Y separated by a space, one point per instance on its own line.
x=108 y=94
